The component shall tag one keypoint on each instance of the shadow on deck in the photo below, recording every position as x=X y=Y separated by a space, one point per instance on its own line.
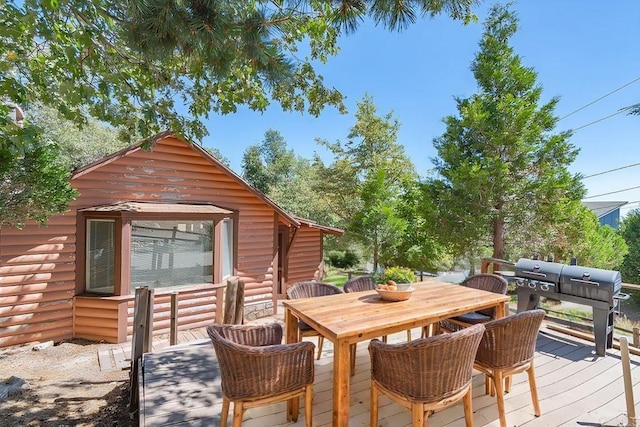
x=182 y=387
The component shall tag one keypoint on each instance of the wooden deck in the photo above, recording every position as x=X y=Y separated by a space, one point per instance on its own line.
x=181 y=386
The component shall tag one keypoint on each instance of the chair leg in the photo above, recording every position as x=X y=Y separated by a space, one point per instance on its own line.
x=320 y=342
x=238 y=410
x=384 y=339
x=225 y=412
x=488 y=385
x=352 y=356
x=534 y=390
x=498 y=383
x=308 y=405
x=373 y=422
x=418 y=418
x=295 y=409
x=507 y=384
x=468 y=408
x=408 y=335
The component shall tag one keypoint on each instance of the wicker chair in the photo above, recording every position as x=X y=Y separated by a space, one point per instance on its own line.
x=256 y=369
x=362 y=284
x=508 y=348
x=485 y=282
x=426 y=374
x=311 y=290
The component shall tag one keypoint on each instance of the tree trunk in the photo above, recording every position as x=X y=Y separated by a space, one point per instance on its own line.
x=498 y=238
x=375 y=252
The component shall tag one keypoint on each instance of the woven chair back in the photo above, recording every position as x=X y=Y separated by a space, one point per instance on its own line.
x=510 y=341
x=312 y=289
x=359 y=284
x=427 y=369
x=490 y=283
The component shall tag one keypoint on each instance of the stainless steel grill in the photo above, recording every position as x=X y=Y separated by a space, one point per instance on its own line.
x=588 y=286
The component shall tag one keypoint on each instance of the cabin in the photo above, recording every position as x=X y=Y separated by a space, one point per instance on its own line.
x=172 y=218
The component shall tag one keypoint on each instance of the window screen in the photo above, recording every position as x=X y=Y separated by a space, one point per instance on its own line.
x=171 y=253
x=100 y=268
x=227 y=248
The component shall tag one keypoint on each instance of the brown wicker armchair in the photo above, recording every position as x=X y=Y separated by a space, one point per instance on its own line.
x=508 y=347
x=485 y=282
x=311 y=290
x=425 y=374
x=256 y=369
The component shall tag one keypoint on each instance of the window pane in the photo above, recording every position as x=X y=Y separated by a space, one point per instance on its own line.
x=100 y=268
x=227 y=248
x=171 y=253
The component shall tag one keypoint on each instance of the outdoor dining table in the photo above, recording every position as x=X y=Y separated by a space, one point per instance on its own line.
x=349 y=318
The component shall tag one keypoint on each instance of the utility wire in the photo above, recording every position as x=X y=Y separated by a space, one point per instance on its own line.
x=610 y=170
x=599 y=120
x=612 y=192
x=602 y=97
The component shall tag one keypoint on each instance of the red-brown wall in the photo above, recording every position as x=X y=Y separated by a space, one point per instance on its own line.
x=37 y=263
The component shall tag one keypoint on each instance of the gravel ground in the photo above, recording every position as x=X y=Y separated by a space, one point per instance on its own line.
x=65 y=387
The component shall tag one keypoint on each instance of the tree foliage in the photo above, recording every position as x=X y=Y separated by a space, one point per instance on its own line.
x=365 y=179
x=630 y=230
x=287 y=179
x=152 y=65
x=503 y=173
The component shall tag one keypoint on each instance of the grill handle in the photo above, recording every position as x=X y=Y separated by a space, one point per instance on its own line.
x=622 y=296
x=533 y=273
x=588 y=282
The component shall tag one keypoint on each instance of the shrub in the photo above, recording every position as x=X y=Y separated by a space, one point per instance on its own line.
x=342 y=259
x=398 y=275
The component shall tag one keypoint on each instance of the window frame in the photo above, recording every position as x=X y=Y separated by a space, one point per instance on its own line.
x=122 y=245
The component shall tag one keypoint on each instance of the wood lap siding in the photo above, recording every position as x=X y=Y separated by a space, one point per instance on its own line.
x=37 y=269
x=305 y=255
x=37 y=281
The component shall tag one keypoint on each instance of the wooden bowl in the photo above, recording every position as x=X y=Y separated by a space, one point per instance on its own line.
x=395 y=295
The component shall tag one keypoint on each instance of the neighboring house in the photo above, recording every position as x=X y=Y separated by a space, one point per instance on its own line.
x=608 y=212
x=175 y=219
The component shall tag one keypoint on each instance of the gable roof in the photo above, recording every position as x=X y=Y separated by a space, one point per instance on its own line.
x=603 y=208
x=204 y=153
x=312 y=224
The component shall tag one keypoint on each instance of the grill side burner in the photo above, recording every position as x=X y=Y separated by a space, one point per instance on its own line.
x=593 y=287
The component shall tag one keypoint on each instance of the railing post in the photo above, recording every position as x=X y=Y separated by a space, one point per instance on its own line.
x=173 y=335
x=628 y=384
x=636 y=336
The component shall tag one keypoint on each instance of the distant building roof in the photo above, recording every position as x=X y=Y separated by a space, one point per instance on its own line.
x=603 y=208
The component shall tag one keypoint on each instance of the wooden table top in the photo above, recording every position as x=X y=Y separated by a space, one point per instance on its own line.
x=362 y=315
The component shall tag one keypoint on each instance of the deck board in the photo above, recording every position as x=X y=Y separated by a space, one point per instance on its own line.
x=182 y=387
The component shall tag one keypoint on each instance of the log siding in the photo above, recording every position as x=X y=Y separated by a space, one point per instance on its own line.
x=41 y=286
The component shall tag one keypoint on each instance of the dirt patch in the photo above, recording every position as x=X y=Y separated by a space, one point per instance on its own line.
x=66 y=387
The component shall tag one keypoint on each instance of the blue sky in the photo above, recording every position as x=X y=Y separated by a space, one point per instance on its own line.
x=582 y=50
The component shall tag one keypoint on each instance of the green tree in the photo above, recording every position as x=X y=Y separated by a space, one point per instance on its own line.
x=33 y=186
x=503 y=172
x=364 y=181
x=135 y=64
x=78 y=147
x=630 y=230
x=268 y=164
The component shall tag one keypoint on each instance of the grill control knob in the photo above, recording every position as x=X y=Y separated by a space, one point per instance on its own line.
x=544 y=287
x=532 y=285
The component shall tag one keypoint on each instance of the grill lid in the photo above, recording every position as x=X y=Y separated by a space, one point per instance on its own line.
x=587 y=276
x=543 y=271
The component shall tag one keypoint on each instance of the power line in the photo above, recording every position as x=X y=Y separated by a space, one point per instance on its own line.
x=622 y=110
x=612 y=192
x=602 y=97
x=610 y=170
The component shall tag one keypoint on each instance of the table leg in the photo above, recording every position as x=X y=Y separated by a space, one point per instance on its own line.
x=341 y=368
x=292 y=334
x=501 y=310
